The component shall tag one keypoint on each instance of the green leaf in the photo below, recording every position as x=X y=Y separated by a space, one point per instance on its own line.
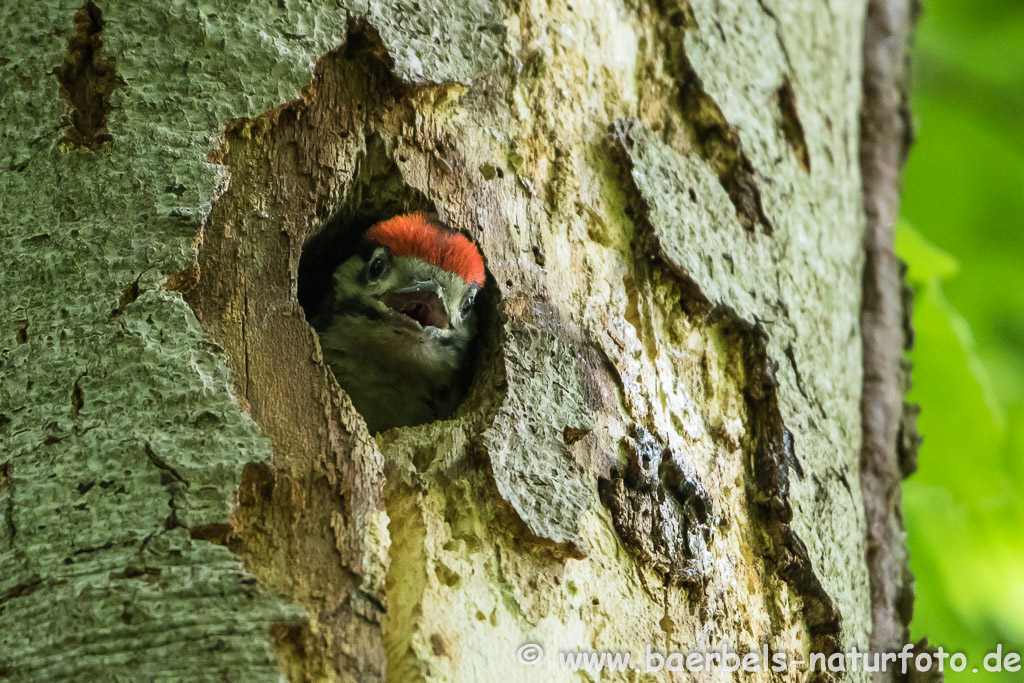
x=925 y=260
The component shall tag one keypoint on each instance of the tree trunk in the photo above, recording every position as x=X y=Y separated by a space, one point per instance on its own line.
x=661 y=449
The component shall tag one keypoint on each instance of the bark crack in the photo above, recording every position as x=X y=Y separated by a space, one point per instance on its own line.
x=7 y=500
x=245 y=338
x=778 y=33
x=172 y=481
x=87 y=77
x=792 y=129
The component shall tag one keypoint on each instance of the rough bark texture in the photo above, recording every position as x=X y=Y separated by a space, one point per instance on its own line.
x=889 y=440
x=662 y=440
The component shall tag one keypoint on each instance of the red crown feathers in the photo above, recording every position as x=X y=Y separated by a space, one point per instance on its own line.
x=413 y=234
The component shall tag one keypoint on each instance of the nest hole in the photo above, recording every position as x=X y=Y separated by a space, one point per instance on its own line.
x=377 y=193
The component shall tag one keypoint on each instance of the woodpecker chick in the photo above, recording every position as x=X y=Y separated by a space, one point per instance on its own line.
x=397 y=327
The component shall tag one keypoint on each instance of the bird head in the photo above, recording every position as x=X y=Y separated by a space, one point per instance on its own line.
x=413 y=277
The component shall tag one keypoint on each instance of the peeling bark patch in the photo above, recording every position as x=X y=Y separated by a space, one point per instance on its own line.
x=792 y=129
x=184 y=280
x=532 y=465
x=573 y=434
x=676 y=227
x=771 y=446
x=718 y=143
x=87 y=77
x=661 y=512
x=715 y=139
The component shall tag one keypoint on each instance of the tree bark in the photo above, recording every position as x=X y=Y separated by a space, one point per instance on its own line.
x=683 y=427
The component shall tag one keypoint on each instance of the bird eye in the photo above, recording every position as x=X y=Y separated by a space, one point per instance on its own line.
x=376 y=268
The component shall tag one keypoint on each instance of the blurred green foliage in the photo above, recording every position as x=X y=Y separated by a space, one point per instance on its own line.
x=961 y=233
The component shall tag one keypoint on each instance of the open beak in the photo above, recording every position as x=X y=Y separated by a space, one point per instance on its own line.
x=421 y=303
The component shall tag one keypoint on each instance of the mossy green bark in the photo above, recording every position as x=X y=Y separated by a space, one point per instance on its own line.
x=120 y=437
x=684 y=290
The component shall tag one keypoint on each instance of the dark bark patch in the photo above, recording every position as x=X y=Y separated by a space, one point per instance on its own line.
x=183 y=280
x=573 y=434
x=490 y=172
x=27 y=587
x=438 y=645
x=258 y=481
x=660 y=510
x=77 y=399
x=909 y=439
x=130 y=294
x=147 y=574
x=792 y=129
x=446 y=575
x=214 y=533
x=289 y=637
x=87 y=77
x=768 y=490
